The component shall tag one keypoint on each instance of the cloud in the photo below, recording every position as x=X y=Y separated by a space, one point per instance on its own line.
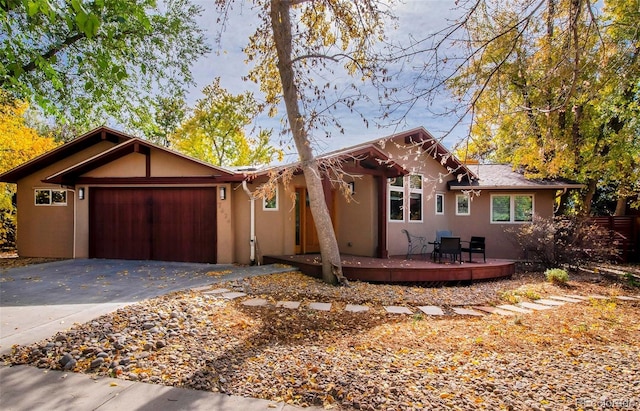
x=416 y=20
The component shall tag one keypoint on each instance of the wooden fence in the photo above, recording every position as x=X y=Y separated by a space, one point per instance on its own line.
x=626 y=230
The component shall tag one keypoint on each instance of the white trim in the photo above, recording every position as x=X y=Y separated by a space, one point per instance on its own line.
x=416 y=191
x=51 y=203
x=512 y=208
x=442 y=196
x=468 y=197
x=264 y=202
x=396 y=189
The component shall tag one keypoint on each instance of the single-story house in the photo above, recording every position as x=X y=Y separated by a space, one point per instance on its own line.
x=110 y=195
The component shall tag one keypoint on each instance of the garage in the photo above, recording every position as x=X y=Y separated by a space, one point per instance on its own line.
x=165 y=224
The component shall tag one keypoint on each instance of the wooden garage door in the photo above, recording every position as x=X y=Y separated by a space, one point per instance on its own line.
x=166 y=224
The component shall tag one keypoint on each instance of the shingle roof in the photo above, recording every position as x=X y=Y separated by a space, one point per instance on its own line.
x=503 y=177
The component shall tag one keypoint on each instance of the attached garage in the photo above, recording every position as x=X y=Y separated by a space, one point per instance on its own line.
x=166 y=224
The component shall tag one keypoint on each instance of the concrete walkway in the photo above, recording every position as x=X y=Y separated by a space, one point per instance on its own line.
x=39 y=300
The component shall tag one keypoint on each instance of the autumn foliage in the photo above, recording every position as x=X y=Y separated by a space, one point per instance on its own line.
x=19 y=143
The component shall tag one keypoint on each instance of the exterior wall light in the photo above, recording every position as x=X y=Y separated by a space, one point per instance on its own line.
x=223 y=193
x=81 y=193
x=352 y=187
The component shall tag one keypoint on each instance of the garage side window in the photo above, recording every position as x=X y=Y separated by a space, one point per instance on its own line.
x=48 y=197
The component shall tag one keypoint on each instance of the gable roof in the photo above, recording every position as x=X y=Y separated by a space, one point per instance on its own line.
x=503 y=177
x=420 y=137
x=133 y=145
x=74 y=146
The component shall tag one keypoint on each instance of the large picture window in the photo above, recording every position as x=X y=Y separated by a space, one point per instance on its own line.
x=396 y=199
x=463 y=204
x=46 y=196
x=514 y=208
x=415 y=197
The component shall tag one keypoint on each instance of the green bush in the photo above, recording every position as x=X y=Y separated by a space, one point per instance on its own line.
x=557 y=275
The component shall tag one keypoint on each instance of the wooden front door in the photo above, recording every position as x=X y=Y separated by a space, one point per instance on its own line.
x=166 y=224
x=306 y=235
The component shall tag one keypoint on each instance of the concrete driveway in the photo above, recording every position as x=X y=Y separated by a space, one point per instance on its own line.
x=39 y=300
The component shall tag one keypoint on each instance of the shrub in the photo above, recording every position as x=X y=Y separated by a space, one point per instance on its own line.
x=558 y=241
x=557 y=275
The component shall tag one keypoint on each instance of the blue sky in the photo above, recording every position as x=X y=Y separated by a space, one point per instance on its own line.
x=417 y=19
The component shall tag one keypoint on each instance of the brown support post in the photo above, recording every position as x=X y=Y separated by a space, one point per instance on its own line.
x=382 y=251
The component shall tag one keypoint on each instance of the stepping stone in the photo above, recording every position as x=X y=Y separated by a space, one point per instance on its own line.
x=203 y=288
x=466 y=311
x=552 y=303
x=565 y=299
x=625 y=298
x=292 y=305
x=353 y=308
x=320 y=306
x=255 y=302
x=534 y=306
x=495 y=310
x=394 y=309
x=217 y=291
x=431 y=310
x=233 y=296
x=514 y=308
x=577 y=297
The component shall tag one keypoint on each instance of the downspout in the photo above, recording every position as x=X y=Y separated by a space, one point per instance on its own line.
x=252 y=236
x=75 y=216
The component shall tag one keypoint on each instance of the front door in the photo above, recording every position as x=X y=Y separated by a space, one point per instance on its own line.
x=306 y=235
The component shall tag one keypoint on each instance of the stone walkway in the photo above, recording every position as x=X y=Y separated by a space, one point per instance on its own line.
x=551 y=302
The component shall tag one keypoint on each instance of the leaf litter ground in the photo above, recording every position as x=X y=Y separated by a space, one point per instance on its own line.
x=563 y=358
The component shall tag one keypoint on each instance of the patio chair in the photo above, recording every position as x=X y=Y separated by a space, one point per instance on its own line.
x=476 y=245
x=436 y=243
x=414 y=243
x=450 y=246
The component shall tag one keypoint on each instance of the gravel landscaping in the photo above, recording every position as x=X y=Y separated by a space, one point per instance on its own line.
x=577 y=356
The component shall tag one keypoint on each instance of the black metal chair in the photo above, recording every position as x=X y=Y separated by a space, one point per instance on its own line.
x=477 y=246
x=436 y=244
x=450 y=246
x=414 y=243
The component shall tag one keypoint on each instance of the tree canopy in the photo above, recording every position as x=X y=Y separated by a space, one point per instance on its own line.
x=87 y=61
x=215 y=132
x=18 y=144
x=552 y=87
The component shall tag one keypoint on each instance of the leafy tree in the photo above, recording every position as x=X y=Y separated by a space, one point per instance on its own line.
x=215 y=132
x=297 y=49
x=18 y=144
x=551 y=86
x=84 y=61
x=160 y=119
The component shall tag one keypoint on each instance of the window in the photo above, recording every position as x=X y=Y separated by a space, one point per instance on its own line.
x=45 y=196
x=439 y=203
x=463 y=204
x=415 y=197
x=271 y=203
x=396 y=199
x=515 y=208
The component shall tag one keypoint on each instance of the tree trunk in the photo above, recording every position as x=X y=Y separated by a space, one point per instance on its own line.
x=621 y=206
x=588 y=197
x=329 y=251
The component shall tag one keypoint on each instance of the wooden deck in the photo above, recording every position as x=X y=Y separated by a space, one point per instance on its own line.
x=398 y=269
